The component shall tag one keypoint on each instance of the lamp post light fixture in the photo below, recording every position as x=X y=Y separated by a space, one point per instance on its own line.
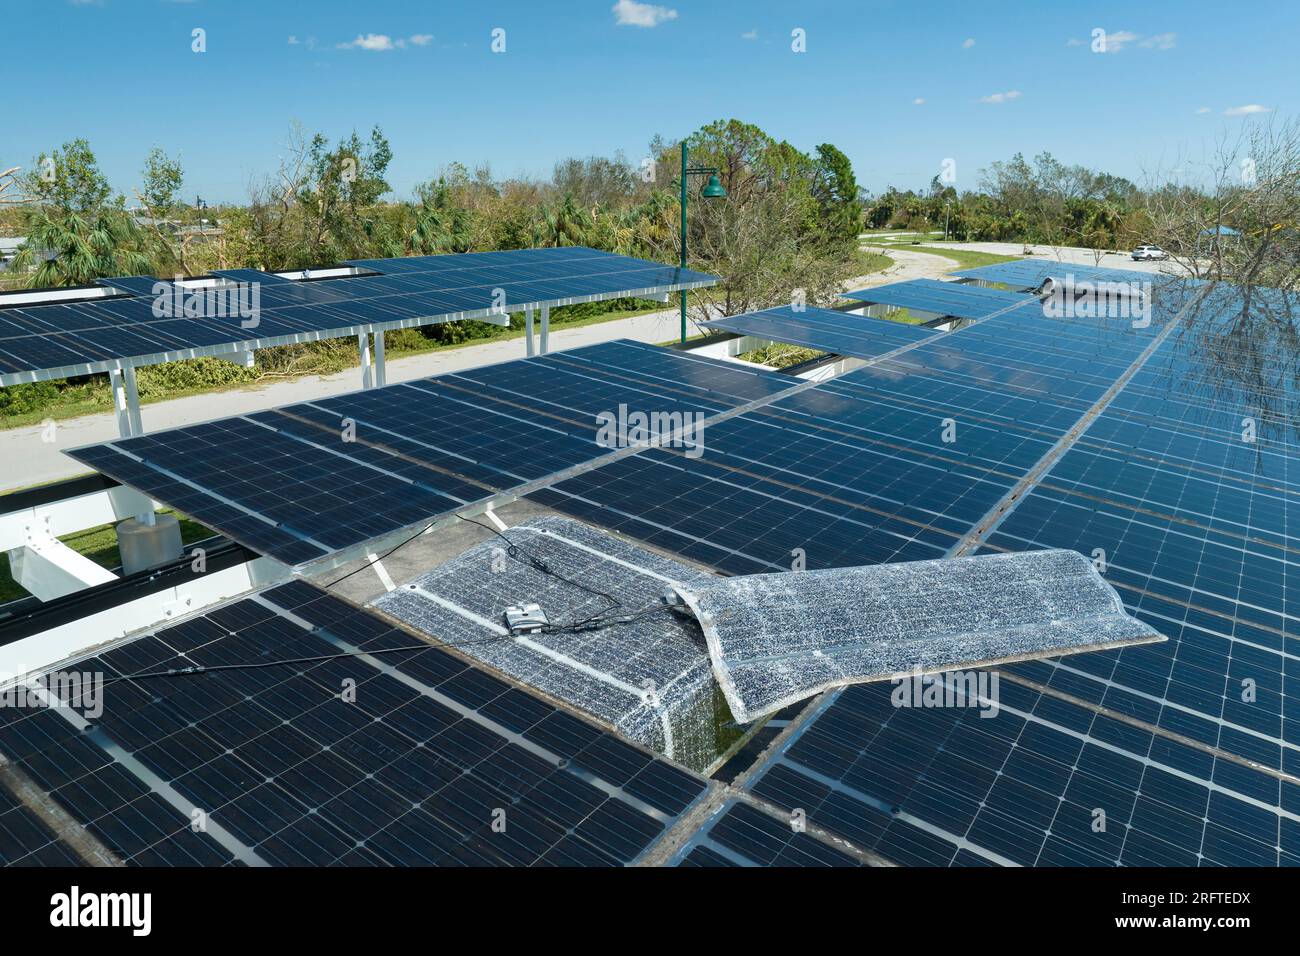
x=713 y=189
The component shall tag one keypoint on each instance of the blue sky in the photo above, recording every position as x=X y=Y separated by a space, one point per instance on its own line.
x=581 y=78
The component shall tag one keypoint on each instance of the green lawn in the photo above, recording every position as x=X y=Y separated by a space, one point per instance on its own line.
x=968 y=258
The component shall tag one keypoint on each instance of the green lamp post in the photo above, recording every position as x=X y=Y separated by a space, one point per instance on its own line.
x=713 y=189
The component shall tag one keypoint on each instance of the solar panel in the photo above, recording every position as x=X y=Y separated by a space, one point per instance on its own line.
x=860 y=469
x=1034 y=781
x=57 y=340
x=943 y=298
x=1195 y=527
x=299 y=483
x=1031 y=273
x=824 y=329
x=741 y=835
x=25 y=839
x=372 y=758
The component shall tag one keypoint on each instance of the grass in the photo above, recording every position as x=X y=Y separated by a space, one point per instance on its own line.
x=968 y=258
x=99 y=545
x=778 y=355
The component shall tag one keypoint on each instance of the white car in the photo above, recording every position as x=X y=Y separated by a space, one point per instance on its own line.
x=1148 y=253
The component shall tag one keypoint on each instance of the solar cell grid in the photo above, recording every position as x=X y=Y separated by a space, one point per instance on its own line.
x=857 y=470
x=1038 y=781
x=288 y=772
x=300 y=482
x=94 y=334
x=942 y=298
x=825 y=330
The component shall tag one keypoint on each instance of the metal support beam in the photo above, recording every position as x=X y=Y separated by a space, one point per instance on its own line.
x=132 y=400
x=48 y=568
x=528 y=331
x=367 y=372
x=119 y=403
x=381 y=373
x=546 y=328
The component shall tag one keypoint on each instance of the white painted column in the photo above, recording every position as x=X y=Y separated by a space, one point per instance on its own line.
x=132 y=400
x=546 y=327
x=363 y=347
x=381 y=375
x=119 y=403
x=528 y=330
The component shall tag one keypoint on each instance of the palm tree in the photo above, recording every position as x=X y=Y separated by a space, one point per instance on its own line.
x=76 y=248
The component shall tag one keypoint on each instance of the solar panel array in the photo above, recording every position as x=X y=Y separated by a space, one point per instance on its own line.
x=1036 y=781
x=298 y=484
x=943 y=298
x=861 y=469
x=420 y=765
x=1031 y=273
x=823 y=329
x=1182 y=752
x=741 y=835
x=94 y=335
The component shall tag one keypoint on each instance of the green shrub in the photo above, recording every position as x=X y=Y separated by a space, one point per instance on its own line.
x=30 y=397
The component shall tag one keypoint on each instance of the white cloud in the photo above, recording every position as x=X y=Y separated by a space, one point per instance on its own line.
x=919 y=101
x=1006 y=97
x=1202 y=110
x=1115 y=42
x=1248 y=110
x=749 y=35
x=293 y=41
x=967 y=43
x=382 y=42
x=629 y=13
x=1161 y=41
x=375 y=42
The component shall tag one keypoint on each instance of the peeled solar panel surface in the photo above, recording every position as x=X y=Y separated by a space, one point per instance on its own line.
x=825 y=330
x=298 y=483
x=56 y=340
x=289 y=773
x=1035 y=781
x=944 y=298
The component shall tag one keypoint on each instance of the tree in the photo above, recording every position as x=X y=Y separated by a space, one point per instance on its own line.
x=162 y=178
x=68 y=179
x=836 y=190
x=74 y=248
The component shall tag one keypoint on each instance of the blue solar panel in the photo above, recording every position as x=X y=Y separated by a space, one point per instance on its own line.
x=1034 y=781
x=857 y=470
x=741 y=835
x=1030 y=273
x=943 y=298
x=298 y=483
x=91 y=335
x=412 y=770
x=825 y=330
